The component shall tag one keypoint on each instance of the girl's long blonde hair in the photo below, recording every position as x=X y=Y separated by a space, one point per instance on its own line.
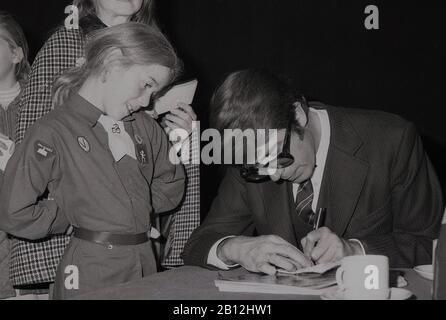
x=13 y=34
x=139 y=44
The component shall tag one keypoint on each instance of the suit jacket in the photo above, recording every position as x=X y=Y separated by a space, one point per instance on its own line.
x=378 y=186
x=440 y=267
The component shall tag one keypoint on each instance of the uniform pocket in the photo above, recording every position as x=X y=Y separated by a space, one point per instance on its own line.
x=102 y=266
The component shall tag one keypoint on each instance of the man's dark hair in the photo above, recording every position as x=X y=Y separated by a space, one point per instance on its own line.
x=253 y=99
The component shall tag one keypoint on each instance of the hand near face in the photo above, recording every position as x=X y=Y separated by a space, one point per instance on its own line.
x=324 y=246
x=262 y=254
x=180 y=118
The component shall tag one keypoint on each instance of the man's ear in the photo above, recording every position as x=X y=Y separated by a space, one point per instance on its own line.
x=301 y=116
x=17 y=55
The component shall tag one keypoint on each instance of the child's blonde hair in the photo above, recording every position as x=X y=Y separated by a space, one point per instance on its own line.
x=139 y=44
x=13 y=34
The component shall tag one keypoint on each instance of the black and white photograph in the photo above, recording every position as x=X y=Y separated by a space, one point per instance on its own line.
x=222 y=155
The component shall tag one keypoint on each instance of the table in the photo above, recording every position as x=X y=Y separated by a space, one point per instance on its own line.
x=195 y=283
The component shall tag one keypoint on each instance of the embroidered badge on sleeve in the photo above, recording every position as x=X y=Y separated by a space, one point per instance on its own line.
x=83 y=143
x=43 y=151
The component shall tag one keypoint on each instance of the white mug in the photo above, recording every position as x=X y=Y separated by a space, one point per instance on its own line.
x=364 y=277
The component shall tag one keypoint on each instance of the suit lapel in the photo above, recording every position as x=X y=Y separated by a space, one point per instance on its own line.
x=278 y=204
x=342 y=183
x=344 y=174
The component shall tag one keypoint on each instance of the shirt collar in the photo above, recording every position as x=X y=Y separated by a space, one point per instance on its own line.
x=88 y=110
x=84 y=108
x=324 y=143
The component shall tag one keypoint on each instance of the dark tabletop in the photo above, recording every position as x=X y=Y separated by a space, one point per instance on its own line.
x=194 y=283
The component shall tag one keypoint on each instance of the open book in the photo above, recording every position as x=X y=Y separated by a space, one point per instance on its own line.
x=308 y=283
x=318 y=268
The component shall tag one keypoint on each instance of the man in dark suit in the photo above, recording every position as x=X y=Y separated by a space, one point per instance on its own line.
x=440 y=265
x=368 y=169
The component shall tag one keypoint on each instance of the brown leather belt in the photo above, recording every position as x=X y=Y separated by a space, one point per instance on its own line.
x=109 y=238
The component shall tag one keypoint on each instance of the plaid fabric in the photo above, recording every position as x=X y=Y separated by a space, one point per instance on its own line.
x=58 y=54
x=187 y=218
x=34 y=263
x=31 y=262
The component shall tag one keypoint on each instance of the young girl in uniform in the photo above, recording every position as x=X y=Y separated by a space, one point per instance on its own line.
x=105 y=164
x=62 y=51
x=14 y=70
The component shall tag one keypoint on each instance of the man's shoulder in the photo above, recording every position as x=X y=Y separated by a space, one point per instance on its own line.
x=375 y=116
x=371 y=122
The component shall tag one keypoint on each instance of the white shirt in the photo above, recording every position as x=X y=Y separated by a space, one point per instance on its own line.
x=321 y=157
x=316 y=180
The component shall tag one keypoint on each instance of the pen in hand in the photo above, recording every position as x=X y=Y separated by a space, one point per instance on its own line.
x=308 y=245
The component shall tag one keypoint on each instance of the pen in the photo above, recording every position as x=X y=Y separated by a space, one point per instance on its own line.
x=320 y=219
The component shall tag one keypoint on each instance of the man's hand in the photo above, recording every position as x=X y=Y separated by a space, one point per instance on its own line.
x=262 y=254
x=324 y=246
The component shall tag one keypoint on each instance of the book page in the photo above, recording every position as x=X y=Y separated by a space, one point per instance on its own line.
x=305 y=284
x=318 y=268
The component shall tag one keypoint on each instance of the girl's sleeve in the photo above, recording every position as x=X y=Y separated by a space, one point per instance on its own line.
x=6 y=288
x=59 y=53
x=169 y=178
x=33 y=168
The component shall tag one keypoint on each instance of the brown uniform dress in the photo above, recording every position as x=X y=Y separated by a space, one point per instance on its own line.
x=67 y=152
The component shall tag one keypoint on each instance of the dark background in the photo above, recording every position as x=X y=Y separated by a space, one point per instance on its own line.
x=322 y=45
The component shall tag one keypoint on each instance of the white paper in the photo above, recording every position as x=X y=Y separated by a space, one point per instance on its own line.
x=181 y=93
x=305 y=284
x=318 y=268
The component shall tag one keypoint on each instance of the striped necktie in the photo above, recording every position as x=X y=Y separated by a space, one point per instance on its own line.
x=304 y=200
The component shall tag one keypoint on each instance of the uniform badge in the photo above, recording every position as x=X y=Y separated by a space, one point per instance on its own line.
x=43 y=151
x=142 y=153
x=83 y=143
x=116 y=129
x=138 y=139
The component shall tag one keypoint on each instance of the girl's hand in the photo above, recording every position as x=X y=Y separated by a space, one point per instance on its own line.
x=182 y=118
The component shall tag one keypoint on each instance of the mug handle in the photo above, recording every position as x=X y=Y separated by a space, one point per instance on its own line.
x=339 y=278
